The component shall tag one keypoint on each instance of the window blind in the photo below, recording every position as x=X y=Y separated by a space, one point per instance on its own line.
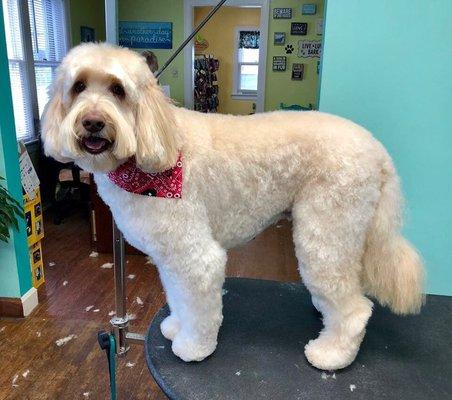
x=46 y=19
x=23 y=114
x=47 y=26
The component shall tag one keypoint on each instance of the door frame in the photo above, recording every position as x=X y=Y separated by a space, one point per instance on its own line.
x=189 y=51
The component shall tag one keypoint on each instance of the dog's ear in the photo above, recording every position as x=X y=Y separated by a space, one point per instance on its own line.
x=157 y=137
x=51 y=121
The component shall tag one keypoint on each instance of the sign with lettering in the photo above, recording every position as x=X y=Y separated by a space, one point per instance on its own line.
x=279 y=63
x=309 y=49
x=299 y=28
x=297 y=72
x=282 y=13
x=146 y=35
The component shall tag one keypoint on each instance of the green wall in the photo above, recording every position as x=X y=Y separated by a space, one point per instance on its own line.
x=387 y=66
x=89 y=13
x=279 y=87
x=15 y=272
x=161 y=11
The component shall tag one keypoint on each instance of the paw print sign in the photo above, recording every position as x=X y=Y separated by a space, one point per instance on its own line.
x=289 y=49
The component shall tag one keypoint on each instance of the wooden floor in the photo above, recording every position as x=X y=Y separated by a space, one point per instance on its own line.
x=78 y=370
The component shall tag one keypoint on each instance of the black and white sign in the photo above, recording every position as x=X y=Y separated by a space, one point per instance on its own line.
x=309 y=49
x=279 y=63
x=297 y=72
x=299 y=28
x=282 y=13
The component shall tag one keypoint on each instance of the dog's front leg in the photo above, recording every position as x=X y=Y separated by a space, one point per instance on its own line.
x=193 y=282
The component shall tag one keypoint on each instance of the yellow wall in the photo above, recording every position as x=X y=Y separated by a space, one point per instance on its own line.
x=280 y=88
x=87 y=13
x=220 y=33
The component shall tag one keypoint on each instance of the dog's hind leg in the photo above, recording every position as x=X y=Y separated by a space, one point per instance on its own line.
x=329 y=230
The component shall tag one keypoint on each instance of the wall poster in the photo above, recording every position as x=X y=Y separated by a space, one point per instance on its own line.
x=299 y=28
x=309 y=49
x=146 y=35
x=279 y=63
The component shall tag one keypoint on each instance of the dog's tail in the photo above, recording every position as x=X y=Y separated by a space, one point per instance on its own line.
x=393 y=271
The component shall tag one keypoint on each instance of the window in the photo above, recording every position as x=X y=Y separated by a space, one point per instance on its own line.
x=247 y=62
x=36 y=43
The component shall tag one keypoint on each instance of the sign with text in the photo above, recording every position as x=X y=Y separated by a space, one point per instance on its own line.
x=309 y=49
x=297 y=72
x=299 y=28
x=279 y=63
x=146 y=35
x=282 y=13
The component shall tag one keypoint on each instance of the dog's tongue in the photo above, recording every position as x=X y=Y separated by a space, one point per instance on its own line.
x=95 y=144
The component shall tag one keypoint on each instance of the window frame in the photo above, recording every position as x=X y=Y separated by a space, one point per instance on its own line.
x=29 y=62
x=237 y=93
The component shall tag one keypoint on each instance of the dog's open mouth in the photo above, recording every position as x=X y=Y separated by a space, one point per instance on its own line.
x=95 y=144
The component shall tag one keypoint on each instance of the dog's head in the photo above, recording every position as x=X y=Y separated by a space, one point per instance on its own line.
x=106 y=106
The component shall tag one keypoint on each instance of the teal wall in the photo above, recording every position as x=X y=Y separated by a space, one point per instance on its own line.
x=15 y=273
x=387 y=66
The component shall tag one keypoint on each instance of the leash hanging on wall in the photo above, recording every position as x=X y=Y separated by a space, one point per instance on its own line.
x=117 y=342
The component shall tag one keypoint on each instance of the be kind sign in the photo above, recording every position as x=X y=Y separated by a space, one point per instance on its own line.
x=309 y=49
x=146 y=35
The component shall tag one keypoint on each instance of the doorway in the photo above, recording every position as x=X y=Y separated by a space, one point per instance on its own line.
x=236 y=46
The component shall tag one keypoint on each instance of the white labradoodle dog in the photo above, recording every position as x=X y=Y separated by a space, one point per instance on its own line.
x=240 y=175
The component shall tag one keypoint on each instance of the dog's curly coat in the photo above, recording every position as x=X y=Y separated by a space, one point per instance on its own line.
x=241 y=174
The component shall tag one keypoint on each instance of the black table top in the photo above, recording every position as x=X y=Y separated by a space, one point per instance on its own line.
x=260 y=352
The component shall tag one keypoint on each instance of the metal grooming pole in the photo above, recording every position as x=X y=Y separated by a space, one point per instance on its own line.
x=120 y=322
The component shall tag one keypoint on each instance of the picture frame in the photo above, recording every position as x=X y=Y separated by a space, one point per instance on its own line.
x=282 y=13
x=319 y=27
x=308 y=9
x=87 y=34
x=279 y=63
x=297 y=71
x=279 y=38
x=299 y=28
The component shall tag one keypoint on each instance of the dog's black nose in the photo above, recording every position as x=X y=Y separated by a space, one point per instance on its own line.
x=93 y=125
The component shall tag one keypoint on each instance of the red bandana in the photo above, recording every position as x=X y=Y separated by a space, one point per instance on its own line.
x=166 y=184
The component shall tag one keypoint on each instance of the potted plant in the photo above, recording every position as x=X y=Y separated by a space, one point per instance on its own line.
x=10 y=210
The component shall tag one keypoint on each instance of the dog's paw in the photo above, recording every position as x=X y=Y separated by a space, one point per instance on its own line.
x=189 y=349
x=329 y=354
x=170 y=327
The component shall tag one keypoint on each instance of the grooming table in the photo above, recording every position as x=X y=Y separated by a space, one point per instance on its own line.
x=260 y=352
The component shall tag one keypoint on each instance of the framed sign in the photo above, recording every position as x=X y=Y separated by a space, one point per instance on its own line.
x=297 y=72
x=299 y=28
x=319 y=27
x=282 y=13
x=279 y=63
x=309 y=49
x=146 y=35
x=279 y=38
x=308 y=9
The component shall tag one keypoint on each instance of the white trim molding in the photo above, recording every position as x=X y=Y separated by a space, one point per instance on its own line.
x=189 y=49
x=29 y=301
x=111 y=21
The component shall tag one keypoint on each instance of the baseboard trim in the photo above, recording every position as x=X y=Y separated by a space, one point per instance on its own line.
x=29 y=301
x=19 y=307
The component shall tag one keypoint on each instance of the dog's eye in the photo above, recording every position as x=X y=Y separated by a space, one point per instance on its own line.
x=78 y=87
x=118 y=90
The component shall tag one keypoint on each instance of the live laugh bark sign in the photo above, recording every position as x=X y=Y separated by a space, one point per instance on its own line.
x=309 y=48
